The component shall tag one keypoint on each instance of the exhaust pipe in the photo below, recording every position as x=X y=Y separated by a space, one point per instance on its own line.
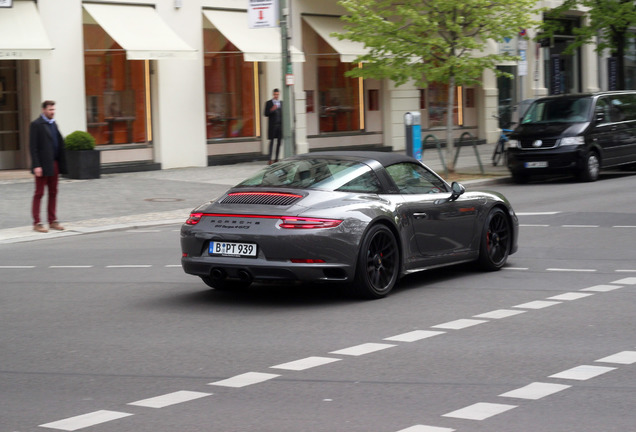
x=217 y=274
x=244 y=275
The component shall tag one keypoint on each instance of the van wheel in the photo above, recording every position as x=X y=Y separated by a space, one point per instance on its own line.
x=591 y=168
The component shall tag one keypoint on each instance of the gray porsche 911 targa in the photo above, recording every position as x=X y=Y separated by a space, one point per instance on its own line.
x=363 y=219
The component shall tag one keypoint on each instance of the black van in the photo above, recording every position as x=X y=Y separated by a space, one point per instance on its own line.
x=577 y=133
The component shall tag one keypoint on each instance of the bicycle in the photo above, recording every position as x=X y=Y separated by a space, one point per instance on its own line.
x=500 y=147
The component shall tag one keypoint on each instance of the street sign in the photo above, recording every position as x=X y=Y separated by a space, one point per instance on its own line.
x=262 y=14
x=6 y=3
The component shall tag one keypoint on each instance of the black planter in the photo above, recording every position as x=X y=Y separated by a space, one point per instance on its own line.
x=83 y=164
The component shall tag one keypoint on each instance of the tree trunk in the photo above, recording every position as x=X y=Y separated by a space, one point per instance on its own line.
x=450 y=143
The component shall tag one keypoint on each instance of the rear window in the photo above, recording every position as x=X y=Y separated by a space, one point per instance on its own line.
x=324 y=174
x=559 y=110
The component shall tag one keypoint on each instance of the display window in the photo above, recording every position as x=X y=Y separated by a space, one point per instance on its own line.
x=230 y=84
x=435 y=100
x=117 y=91
x=338 y=95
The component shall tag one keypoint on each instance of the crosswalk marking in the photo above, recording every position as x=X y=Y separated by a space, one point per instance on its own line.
x=305 y=363
x=536 y=390
x=85 y=420
x=362 y=349
x=459 y=324
x=414 y=336
x=480 y=411
x=583 y=372
x=170 y=399
x=245 y=379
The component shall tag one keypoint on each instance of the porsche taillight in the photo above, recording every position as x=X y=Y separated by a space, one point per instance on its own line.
x=289 y=222
x=194 y=218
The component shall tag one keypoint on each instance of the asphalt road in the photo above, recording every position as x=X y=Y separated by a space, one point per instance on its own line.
x=104 y=332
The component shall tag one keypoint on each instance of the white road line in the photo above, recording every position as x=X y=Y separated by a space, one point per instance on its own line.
x=129 y=266
x=570 y=296
x=414 y=336
x=459 y=324
x=174 y=266
x=626 y=271
x=571 y=270
x=625 y=357
x=362 y=349
x=583 y=372
x=538 y=304
x=17 y=267
x=70 y=266
x=85 y=420
x=624 y=226
x=499 y=314
x=602 y=288
x=424 y=428
x=626 y=281
x=580 y=226
x=534 y=225
x=538 y=213
x=515 y=268
x=143 y=231
x=245 y=379
x=536 y=390
x=306 y=363
x=480 y=411
x=170 y=399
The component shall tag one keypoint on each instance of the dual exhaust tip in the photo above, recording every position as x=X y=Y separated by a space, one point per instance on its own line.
x=220 y=274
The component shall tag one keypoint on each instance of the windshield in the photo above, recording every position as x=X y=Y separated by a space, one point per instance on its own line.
x=565 y=110
x=325 y=174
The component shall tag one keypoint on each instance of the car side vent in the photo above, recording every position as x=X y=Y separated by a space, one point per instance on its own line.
x=264 y=198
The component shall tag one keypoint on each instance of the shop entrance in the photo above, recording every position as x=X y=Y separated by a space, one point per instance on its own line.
x=10 y=147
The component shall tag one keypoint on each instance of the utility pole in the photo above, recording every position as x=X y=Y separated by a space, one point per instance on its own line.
x=288 y=136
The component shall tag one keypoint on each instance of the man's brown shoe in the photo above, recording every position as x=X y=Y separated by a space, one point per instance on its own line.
x=56 y=226
x=40 y=228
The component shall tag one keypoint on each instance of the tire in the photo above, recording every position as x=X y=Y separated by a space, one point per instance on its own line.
x=378 y=265
x=499 y=150
x=591 y=167
x=225 y=284
x=496 y=240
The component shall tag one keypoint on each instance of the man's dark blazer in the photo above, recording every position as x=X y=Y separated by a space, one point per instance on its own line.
x=275 y=120
x=42 y=148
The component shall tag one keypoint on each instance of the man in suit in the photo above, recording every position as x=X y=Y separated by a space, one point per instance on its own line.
x=274 y=113
x=48 y=160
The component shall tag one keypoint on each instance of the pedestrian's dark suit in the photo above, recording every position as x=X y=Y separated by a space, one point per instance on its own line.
x=275 y=127
x=47 y=151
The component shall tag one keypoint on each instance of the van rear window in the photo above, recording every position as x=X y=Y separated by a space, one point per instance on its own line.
x=561 y=110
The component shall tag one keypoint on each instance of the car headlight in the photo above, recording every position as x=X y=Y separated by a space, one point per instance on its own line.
x=572 y=141
x=513 y=143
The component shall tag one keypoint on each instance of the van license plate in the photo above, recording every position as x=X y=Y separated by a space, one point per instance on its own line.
x=232 y=249
x=538 y=164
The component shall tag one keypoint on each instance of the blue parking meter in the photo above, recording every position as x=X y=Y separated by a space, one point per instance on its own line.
x=413 y=124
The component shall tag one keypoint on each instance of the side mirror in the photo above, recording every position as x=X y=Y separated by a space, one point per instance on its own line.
x=456 y=190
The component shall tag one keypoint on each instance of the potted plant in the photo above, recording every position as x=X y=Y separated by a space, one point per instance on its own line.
x=82 y=159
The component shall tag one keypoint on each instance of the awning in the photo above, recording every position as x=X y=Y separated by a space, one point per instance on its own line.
x=140 y=31
x=325 y=26
x=22 y=34
x=262 y=44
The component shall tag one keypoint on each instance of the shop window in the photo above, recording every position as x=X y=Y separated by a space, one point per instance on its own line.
x=338 y=95
x=437 y=104
x=229 y=89
x=9 y=128
x=116 y=97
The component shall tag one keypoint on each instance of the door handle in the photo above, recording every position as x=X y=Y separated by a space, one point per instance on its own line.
x=420 y=215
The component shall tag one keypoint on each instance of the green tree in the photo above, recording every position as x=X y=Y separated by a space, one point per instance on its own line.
x=426 y=41
x=608 y=20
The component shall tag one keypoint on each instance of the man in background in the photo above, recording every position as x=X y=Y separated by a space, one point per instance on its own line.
x=48 y=161
x=274 y=113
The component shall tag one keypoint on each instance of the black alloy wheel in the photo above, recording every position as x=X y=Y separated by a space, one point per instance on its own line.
x=378 y=264
x=495 y=241
x=591 y=168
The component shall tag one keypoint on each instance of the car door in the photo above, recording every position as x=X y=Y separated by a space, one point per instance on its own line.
x=442 y=229
x=610 y=131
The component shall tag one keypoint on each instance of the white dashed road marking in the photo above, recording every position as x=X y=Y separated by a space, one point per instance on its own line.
x=414 y=336
x=363 y=349
x=583 y=372
x=625 y=357
x=245 y=379
x=536 y=390
x=570 y=296
x=626 y=281
x=85 y=420
x=306 y=363
x=459 y=324
x=602 y=288
x=423 y=428
x=500 y=313
x=570 y=270
x=480 y=411
x=538 y=304
x=170 y=399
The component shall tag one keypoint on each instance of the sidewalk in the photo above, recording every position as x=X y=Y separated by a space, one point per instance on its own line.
x=130 y=200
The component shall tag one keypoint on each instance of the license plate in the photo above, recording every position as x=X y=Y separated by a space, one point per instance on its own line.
x=538 y=164
x=233 y=249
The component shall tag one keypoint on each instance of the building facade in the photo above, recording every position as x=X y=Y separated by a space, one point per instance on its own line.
x=178 y=83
